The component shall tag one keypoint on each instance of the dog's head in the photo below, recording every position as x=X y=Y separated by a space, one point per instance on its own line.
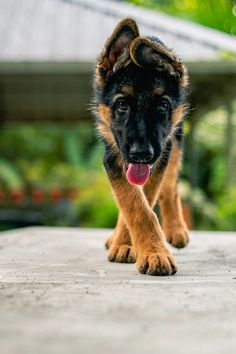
x=140 y=88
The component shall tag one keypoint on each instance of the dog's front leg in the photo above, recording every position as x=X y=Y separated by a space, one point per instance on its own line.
x=153 y=256
x=121 y=248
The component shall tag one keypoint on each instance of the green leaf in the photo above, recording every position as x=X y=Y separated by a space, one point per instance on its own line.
x=9 y=176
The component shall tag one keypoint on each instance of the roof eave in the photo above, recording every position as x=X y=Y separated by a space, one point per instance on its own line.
x=55 y=67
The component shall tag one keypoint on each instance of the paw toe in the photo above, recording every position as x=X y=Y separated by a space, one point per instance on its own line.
x=157 y=264
x=122 y=254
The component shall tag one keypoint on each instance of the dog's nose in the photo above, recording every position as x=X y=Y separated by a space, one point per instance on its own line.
x=141 y=155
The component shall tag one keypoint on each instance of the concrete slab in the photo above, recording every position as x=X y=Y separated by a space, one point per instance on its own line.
x=59 y=294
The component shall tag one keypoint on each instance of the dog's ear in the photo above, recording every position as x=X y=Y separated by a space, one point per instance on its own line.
x=144 y=51
x=115 y=53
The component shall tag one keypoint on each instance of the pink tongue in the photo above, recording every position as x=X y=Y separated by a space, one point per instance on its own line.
x=138 y=174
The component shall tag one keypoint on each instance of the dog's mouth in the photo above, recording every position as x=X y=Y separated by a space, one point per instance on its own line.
x=138 y=173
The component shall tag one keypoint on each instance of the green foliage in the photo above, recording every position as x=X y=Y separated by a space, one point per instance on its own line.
x=217 y=14
x=95 y=206
x=212 y=202
x=226 y=211
x=47 y=158
x=9 y=176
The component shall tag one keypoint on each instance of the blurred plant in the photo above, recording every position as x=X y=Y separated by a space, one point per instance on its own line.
x=212 y=203
x=226 y=211
x=9 y=176
x=95 y=206
x=217 y=14
x=49 y=163
x=45 y=156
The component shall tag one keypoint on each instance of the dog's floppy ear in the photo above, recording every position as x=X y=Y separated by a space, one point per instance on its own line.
x=116 y=50
x=145 y=51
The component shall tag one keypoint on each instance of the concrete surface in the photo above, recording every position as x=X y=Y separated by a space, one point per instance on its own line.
x=59 y=294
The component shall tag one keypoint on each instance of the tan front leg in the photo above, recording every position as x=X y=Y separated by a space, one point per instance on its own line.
x=120 y=244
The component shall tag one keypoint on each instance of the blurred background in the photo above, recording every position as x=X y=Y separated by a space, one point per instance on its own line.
x=50 y=159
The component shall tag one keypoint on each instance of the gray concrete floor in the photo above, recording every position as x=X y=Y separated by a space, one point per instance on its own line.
x=59 y=294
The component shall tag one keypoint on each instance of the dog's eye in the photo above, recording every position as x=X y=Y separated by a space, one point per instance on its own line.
x=163 y=106
x=122 y=105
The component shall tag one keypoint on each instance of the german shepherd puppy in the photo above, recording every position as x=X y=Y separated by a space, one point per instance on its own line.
x=140 y=90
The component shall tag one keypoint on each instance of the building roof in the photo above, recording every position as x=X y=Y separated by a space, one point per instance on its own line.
x=75 y=30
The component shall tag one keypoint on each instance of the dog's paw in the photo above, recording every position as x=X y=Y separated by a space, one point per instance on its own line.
x=122 y=254
x=178 y=236
x=156 y=263
x=109 y=242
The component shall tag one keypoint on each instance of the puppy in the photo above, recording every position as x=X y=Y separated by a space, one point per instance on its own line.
x=140 y=90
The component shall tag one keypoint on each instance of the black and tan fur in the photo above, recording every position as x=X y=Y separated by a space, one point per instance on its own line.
x=139 y=102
